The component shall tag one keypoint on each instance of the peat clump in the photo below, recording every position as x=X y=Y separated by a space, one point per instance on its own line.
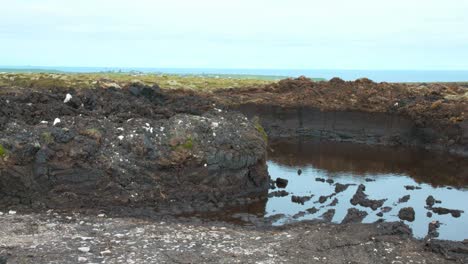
x=361 y=198
x=134 y=146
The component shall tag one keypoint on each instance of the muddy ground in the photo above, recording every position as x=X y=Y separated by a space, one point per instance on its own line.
x=135 y=146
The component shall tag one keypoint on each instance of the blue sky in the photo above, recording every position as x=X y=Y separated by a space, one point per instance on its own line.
x=294 y=34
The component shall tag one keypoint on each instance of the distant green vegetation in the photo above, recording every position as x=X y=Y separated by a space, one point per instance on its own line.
x=202 y=82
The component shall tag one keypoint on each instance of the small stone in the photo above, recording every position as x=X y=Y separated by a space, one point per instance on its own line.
x=82 y=259
x=84 y=249
x=68 y=97
x=106 y=252
x=56 y=121
x=281 y=183
x=11 y=212
x=404 y=199
x=407 y=214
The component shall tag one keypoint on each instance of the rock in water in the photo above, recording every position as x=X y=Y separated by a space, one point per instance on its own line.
x=281 y=183
x=407 y=214
x=361 y=198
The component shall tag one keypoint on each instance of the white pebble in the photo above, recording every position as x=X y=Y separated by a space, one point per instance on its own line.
x=56 y=121
x=68 y=97
x=84 y=249
x=82 y=259
x=11 y=212
x=120 y=137
x=106 y=252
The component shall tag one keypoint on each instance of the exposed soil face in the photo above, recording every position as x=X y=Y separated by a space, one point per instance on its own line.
x=134 y=146
x=431 y=116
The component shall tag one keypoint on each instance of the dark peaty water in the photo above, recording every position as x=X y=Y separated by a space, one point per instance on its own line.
x=387 y=171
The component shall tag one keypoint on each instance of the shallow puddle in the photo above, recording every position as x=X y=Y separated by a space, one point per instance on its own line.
x=384 y=171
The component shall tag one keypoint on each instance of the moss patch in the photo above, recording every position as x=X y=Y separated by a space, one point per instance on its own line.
x=259 y=128
x=188 y=144
x=47 y=138
x=180 y=143
x=3 y=151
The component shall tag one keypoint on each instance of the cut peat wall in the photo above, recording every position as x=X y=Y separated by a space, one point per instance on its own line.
x=355 y=126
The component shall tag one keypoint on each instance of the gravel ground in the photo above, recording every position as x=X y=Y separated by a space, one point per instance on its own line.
x=58 y=237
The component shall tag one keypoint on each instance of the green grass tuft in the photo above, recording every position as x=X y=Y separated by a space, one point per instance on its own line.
x=3 y=151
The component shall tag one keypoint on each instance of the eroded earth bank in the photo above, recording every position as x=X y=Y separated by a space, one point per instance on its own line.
x=116 y=174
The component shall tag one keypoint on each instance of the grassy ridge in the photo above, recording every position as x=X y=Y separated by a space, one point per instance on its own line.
x=96 y=80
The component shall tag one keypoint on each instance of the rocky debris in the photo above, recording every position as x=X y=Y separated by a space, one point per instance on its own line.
x=324 y=198
x=280 y=193
x=330 y=181
x=361 y=198
x=354 y=216
x=430 y=201
x=411 y=188
x=320 y=179
x=299 y=172
x=334 y=202
x=126 y=147
x=299 y=215
x=385 y=209
x=432 y=229
x=407 y=214
x=341 y=187
x=395 y=228
x=281 y=183
x=273 y=218
x=404 y=199
x=328 y=215
x=54 y=238
x=369 y=180
x=429 y=214
x=443 y=211
x=379 y=214
x=300 y=199
x=451 y=250
x=312 y=210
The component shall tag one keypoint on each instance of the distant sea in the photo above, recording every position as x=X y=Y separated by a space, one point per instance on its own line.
x=375 y=75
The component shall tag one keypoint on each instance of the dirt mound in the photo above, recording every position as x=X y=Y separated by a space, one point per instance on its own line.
x=437 y=112
x=134 y=146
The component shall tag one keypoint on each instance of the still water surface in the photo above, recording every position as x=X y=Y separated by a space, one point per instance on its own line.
x=442 y=176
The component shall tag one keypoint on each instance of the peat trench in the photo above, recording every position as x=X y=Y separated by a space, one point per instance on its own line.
x=139 y=151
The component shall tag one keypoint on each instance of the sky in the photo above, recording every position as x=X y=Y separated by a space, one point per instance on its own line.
x=266 y=34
